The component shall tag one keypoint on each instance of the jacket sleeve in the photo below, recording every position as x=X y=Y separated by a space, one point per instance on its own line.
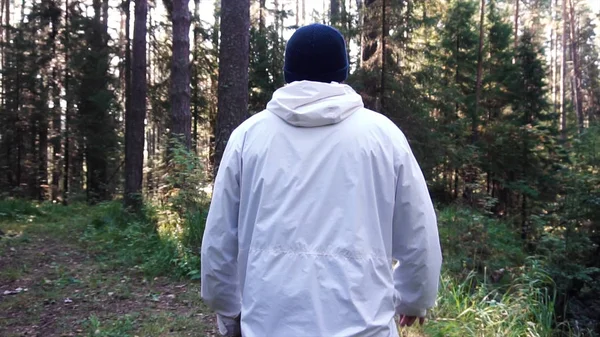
x=415 y=241
x=219 y=251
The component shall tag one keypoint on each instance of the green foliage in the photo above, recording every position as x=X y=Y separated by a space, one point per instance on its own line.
x=267 y=49
x=17 y=209
x=184 y=175
x=491 y=287
x=571 y=237
x=182 y=212
x=473 y=241
x=123 y=239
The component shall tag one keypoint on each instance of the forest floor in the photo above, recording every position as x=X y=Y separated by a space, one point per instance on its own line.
x=94 y=271
x=51 y=285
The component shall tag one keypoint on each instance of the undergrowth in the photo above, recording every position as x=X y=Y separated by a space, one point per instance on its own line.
x=145 y=242
x=489 y=288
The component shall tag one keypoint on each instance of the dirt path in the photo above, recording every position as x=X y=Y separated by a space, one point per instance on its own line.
x=50 y=286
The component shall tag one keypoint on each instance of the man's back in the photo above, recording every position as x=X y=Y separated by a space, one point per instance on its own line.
x=319 y=185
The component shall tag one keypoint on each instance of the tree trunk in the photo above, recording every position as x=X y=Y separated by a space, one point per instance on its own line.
x=95 y=128
x=127 y=57
x=180 y=73
x=384 y=32
x=105 y=8
x=576 y=69
x=134 y=120
x=3 y=3
x=334 y=14
x=553 y=43
x=276 y=18
x=303 y=12
x=233 y=72
x=479 y=74
x=517 y=23
x=43 y=154
x=297 y=13
x=196 y=76
x=214 y=85
x=563 y=66
x=56 y=134
x=369 y=49
x=261 y=17
x=67 y=158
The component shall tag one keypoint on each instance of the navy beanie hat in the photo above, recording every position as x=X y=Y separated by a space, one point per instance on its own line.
x=316 y=53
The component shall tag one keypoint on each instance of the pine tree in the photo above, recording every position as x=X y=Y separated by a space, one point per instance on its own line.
x=95 y=108
x=134 y=121
x=180 y=73
x=233 y=72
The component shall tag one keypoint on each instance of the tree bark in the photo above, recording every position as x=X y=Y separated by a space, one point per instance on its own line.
x=127 y=57
x=105 y=8
x=303 y=12
x=233 y=73
x=479 y=74
x=180 y=73
x=297 y=13
x=56 y=130
x=553 y=43
x=42 y=169
x=563 y=66
x=576 y=69
x=517 y=23
x=196 y=76
x=134 y=120
x=66 y=182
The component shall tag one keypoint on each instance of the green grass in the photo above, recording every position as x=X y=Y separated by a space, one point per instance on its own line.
x=470 y=308
x=120 y=327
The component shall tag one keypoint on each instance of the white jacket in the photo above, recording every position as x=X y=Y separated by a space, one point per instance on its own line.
x=314 y=198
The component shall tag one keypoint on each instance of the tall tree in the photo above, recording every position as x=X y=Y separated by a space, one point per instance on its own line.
x=233 y=72
x=196 y=75
x=127 y=65
x=56 y=138
x=67 y=133
x=516 y=38
x=180 y=73
x=574 y=37
x=530 y=106
x=563 y=77
x=475 y=117
x=134 y=120
x=96 y=125
x=590 y=72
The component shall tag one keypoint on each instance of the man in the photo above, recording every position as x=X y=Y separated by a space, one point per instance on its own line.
x=314 y=199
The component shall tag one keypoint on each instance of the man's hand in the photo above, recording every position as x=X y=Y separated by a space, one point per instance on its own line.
x=410 y=320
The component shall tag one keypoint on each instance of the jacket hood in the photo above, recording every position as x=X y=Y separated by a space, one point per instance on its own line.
x=313 y=104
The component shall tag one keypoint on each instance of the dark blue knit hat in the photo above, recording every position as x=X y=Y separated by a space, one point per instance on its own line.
x=316 y=53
